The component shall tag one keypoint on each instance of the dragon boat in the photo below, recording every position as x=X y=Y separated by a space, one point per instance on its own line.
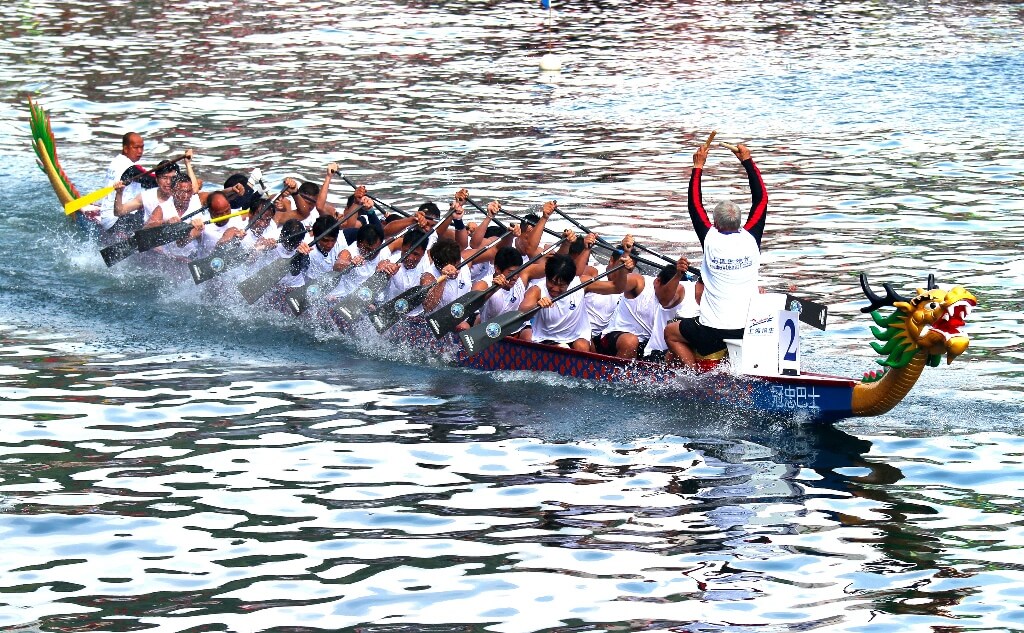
x=920 y=331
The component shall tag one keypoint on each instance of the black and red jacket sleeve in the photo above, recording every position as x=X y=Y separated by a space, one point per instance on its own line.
x=698 y=215
x=758 y=202
x=754 y=225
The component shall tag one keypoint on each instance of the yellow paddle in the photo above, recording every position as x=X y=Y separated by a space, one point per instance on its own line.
x=227 y=217
x=99 y=194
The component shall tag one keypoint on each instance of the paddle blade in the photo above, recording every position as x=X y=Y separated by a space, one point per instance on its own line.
x=811 y=313
x=446 y=319
x=264 y=279
x=119 y=250
x=155 y=236
x=87 y=199
x=355 y=303
x=301 y=298
x=222 y=258
x=392 y=312
x=482 y=335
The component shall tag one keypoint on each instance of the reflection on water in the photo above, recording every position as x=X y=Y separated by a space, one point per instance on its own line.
x=191 y=492
x=170 y=459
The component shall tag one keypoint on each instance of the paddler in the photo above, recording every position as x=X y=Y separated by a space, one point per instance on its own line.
x=632 y=321
x=565 y=322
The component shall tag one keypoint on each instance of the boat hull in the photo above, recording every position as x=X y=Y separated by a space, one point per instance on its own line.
x=811 y=396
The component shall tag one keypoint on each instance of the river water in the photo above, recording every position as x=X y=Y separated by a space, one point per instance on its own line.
x=177 y=463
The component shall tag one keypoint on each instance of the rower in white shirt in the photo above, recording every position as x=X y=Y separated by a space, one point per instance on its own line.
x=632 y=322
x=678 y=298
x=565 y=322
x=361 y=259
x=511 y=289
x=146 y=202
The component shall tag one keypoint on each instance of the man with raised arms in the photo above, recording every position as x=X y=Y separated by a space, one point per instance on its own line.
x=729 y=269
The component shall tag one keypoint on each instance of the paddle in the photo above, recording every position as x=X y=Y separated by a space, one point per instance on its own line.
x=267 y=277
x=496 y=221
x=130 y=245
x=445 y=319
x=299 y=299
x=376 y=202
x=230 y=254
x=350 y=306
x=178 y=231
x=154 y=236
x=482 y=335
x=600 y=243
x=99 y=194
x=707 y=143
x=392 y=311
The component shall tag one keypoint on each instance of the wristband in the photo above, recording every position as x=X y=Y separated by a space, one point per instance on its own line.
x=458 y=225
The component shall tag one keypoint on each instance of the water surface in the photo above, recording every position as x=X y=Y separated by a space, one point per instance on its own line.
x=176 y=461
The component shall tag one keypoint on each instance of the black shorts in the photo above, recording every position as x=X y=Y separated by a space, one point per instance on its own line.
x=607 y=344
x=705 y=340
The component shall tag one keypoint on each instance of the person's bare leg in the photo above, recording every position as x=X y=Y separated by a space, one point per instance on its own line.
x=627 y=345
x=581 y=345
x=678 y=346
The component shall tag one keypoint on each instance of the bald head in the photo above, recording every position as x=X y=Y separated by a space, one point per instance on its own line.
x=132 y=146
x=218 y=204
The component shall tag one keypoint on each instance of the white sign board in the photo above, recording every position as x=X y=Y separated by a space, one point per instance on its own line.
x=771 y=340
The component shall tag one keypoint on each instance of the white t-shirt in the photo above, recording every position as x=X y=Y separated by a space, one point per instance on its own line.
x=729 y=271
x=208 y=239
x=453 y=288
x=320 y=264
x=503 y=301
x=289 y=280
x=151 y=202
x=687 y=308
x=600 y=309
x=358 y=274
x=114 y=170
x=565 y=320
x=636 y=315
x=188 y=250
x=483 y=270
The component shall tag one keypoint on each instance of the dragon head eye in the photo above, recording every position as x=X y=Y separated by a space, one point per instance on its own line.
x=933 y=305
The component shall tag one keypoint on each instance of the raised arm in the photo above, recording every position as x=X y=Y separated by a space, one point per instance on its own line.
x=758 y=194
x=668 y=293
x=698 y=215
x=530 y=245
x=124 y=208
x=480 y=230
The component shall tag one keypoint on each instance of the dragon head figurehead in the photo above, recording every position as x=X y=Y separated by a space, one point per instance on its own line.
x=931 y=322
